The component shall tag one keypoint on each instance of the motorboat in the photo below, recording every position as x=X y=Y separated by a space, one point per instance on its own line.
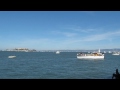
x=116 y=53
x=94 y=55
x=11 y=56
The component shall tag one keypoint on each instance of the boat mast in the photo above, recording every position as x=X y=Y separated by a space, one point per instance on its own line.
x=99 y=50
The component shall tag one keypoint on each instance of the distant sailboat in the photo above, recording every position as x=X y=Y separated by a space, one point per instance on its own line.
x=57 y=52
x=104 y=51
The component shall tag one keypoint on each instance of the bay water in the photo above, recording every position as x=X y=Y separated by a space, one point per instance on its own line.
x=49 y=65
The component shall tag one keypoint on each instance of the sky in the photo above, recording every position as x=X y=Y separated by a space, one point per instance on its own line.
x=59 y=30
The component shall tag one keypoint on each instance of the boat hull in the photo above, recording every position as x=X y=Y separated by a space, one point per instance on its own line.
x=11 y=56
x=90 y=57
x=115 y=54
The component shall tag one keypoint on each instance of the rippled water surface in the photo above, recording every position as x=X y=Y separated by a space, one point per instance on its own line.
x=48 y=65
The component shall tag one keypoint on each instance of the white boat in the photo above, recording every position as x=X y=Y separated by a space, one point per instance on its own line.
x=57 y=52
x=104 y=51
x=94 y=55
x=11 y=56
x=109 y=52
x=115 y=53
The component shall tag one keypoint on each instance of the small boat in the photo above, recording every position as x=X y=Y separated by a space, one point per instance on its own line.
x=109 y=52
x=94 y=55
x=104 y=51
x=11 y=56
x=115 y=53
x=57 y=52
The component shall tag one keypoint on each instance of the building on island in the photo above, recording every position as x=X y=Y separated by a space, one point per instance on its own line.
x=22 y=50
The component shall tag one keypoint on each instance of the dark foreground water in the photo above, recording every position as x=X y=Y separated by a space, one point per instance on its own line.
x=48 y=65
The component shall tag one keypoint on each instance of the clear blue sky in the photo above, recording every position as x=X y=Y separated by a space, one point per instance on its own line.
x=52 y=30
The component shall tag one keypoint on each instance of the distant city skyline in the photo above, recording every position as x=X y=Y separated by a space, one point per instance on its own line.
x=59 y=30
